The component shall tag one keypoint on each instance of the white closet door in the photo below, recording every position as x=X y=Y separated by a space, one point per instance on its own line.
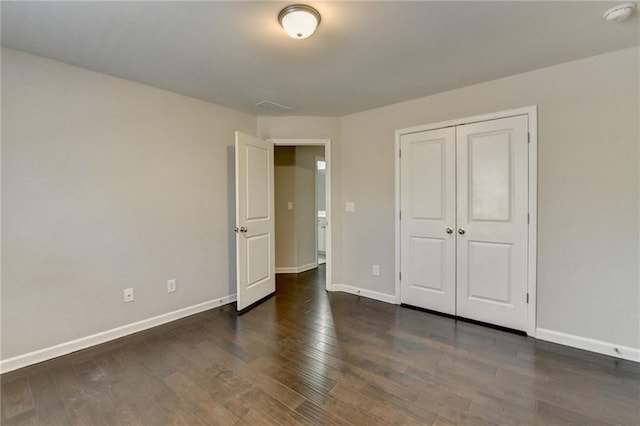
x=428 y=252
x=492 y=189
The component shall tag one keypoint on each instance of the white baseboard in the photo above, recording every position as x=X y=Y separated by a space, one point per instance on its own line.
x=383 y=297
x=45 y=354
x=598 y=346
x=296 y=269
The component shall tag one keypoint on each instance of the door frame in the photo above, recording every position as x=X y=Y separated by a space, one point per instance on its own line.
x=532 y=114
x=326 y=143
x=316 y=159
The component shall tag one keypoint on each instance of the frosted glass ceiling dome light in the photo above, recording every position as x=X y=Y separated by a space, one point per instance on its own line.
x=299 y=20
x=619 y=13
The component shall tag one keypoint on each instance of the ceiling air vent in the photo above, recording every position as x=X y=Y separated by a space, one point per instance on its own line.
x=271 y=107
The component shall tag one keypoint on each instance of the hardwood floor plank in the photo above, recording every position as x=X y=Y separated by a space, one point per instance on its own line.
x=82 y=404
x=200 y=403
x=371 y=406
x=27 y=418
x=269 y=406
x=319 y=416
x=252 y=418
x=278 y=390
x=18 y=400
x=139 y=388
x=110 y=405
x=347 y=410
x=45 y=394
x=568 y=416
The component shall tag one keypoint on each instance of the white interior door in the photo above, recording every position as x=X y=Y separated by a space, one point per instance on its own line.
x=255 y=224
x=492 y=221
x=428 y=203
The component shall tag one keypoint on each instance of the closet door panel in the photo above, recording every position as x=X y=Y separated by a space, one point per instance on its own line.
x=489 y=182
x=427 y=188
x=492 y=198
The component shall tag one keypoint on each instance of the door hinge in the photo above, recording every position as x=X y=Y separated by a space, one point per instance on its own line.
x=400 y=276
x=528 y=137
x=528 y=217
x=400 y=212
x=399 y=153
x=527 y=297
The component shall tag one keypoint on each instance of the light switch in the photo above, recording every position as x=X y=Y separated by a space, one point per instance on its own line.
x=290 y=205
x=350 y=206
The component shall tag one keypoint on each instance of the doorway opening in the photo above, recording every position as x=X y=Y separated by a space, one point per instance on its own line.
x=302 y=190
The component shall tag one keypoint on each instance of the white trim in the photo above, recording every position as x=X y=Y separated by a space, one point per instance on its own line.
x=296 y=269
x=532 y=114
x=593 y=345
x=467 y=120
x=532 y=261
x=315 y=202
x=382 y=297
x=328 y=160
x=397 y=202
x=55 y=351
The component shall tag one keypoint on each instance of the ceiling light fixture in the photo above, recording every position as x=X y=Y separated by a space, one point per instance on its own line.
x=299 y=20
x=619 y=13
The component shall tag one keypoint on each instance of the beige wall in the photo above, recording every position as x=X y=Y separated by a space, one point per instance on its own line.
x=108 y=184
x=306 y=216
x=285 y=192
x=588 y=188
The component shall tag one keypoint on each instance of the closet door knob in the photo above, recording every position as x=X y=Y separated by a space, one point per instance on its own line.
x=461 y=231
x=449 y=231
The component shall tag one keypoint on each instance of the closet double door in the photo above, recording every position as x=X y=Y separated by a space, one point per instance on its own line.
x=464 y=220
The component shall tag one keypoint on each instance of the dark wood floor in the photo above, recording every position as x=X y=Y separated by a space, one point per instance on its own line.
x=308 y=357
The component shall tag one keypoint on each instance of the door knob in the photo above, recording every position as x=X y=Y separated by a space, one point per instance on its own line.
x=236 y=229
x=461 y=231
x=449 y=231
x=243 y=229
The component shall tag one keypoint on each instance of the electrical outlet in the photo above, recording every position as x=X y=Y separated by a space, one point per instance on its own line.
x=171 y=286
x=290 y=205
x=376 y=270
x=350 y=206
x=128 y=295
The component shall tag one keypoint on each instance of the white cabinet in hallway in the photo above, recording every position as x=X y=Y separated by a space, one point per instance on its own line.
x=322 y=233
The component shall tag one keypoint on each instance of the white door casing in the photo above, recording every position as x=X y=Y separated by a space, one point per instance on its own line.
x=492 y=208
x=428 y=208
x=255 y=224
x=321 y=210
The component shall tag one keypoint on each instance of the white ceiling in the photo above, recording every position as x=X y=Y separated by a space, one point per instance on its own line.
x=364 y=54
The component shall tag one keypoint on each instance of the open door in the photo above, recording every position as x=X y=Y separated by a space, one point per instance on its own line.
x=255 y=224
